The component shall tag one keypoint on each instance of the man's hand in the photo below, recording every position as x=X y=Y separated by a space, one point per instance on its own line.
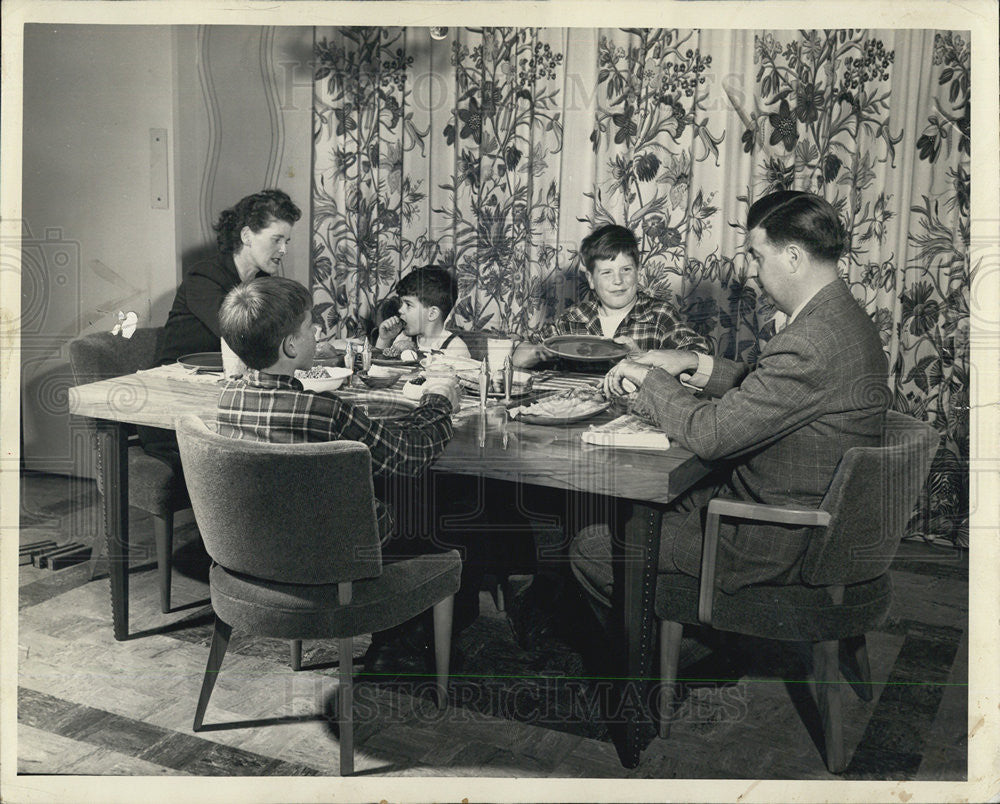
x=625 y=377
x=388 y=330
x=673 y=361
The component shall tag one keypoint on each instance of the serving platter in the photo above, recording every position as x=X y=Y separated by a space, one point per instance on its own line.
x=584 y=347
x=540 y=417
x=202 y=361
x=529 y=418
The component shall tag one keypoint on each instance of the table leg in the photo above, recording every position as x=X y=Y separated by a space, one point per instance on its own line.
x=639 y=543
x=112 y=464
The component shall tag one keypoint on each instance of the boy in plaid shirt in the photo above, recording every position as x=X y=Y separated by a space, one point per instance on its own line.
x=615 y=307
x=268 y=324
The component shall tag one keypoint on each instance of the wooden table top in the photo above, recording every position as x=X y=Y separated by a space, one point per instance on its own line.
x=485 y=443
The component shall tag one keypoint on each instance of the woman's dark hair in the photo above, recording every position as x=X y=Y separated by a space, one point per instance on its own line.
x=791 y=216
x=256 y=316
x=256 y=211
x=607 y=243
x=432 y=285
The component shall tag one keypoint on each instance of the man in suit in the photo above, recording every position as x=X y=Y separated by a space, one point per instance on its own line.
x=778 y=428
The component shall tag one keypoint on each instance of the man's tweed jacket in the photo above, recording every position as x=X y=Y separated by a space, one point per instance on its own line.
x=819 y=387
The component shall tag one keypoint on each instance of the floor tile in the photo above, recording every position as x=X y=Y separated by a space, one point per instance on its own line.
x=92 y=705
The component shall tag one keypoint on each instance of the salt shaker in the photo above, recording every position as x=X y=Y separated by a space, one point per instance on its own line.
x=366 y=356
x=484 y=382
x=349 y=355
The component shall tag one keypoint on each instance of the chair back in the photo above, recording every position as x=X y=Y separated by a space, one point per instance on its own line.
x=870 y=500
x=290 y=513
x=101 y=355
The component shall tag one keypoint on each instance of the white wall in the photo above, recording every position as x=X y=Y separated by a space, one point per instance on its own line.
x=92 y=243
x=244 y=116
x=236 y=102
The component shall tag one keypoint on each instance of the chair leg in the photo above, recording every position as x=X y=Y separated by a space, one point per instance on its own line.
x=295 y=653
x=163 y=530
x=98 y=550
x=826 y=673
x=670 y=654
x=220 y=641
x=443 y=611
x=499 y=594
x=855 y=667
x=345 y=717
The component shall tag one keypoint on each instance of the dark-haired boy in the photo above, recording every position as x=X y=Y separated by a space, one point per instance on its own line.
x=426 y=296
x=268 y=324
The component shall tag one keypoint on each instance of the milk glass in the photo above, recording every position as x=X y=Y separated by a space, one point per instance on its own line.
x=232 y=366
x=497 y=350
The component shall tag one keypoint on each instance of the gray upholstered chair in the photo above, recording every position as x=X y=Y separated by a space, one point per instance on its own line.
x=845 y=589
x=153 y=485
x=292 y=532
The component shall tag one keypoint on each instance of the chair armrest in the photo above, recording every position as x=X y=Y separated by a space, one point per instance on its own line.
x=754 y=512
x=761 y=512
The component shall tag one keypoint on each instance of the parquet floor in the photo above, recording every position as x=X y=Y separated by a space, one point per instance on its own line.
x=90 y=705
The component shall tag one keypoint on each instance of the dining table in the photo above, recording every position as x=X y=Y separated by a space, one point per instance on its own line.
x=487 y=443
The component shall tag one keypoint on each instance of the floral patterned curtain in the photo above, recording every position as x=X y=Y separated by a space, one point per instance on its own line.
x=495 y=151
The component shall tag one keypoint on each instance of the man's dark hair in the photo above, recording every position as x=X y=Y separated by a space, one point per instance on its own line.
x=432 y=285
x=607 y=243
x=791 y=216
x=256 y=316
x=256 y=211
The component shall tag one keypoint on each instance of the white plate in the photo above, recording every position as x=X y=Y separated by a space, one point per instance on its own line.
x=202 y=361
x=452 y=362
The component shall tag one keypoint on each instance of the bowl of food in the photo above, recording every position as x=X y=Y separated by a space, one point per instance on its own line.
x=379 y=377
x=323 y=378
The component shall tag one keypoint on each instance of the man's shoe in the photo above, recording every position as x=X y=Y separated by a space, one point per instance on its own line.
x=381 y=654
x=417 y=635
x=534 y=613
x=396 y=652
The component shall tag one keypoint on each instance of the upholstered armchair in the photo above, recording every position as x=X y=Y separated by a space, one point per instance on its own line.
x=845 y=589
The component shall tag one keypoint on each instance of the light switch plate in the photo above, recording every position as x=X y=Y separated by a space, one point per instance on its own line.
x=158 y=183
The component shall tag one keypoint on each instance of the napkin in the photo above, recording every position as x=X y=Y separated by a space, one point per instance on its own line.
x=628 y=430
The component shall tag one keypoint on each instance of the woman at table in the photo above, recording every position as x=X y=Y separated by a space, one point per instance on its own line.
x=252 y=237
x=616 y=307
